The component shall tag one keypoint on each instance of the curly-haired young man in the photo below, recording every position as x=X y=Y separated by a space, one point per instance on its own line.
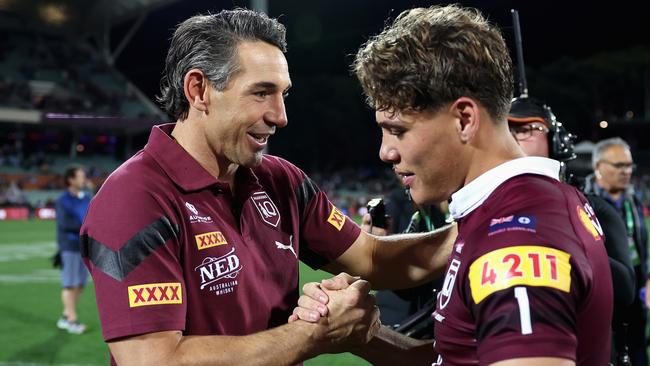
x=523 y=285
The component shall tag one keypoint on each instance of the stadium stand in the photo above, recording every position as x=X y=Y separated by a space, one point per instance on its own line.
x=61 y=98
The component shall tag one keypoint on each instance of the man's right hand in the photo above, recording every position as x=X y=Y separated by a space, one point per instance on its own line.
x=313 y=302
x=348 y=312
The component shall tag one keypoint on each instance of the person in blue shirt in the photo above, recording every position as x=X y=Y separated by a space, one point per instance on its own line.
x=71 y=208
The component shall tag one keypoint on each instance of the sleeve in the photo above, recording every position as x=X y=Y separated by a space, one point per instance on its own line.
x=130 y=244
x=615 y=236
x=325 y=232
x=524 y=295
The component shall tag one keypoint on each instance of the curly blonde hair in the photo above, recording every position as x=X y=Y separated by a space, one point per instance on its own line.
x=431 y=56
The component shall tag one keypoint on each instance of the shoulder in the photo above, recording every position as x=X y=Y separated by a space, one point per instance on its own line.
x=137 y=175
x=133 y=197
x=278 y=169
x=529 y=209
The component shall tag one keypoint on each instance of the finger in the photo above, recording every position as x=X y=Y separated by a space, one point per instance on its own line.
x=306 y=315
x=362 y=286
x=310 y=304
x=339 y=282
x=292 y=318
x=366 y=220
x=312 y=289
x=376 y=325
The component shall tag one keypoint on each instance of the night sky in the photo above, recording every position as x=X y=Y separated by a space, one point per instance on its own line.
x=323 y=35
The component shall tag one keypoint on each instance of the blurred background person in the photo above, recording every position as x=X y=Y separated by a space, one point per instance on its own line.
x=613 y=167
x=536 y=129
x=71 y=208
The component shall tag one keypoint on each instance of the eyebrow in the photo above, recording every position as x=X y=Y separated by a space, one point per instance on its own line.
x=268 y=85
x=389 y=124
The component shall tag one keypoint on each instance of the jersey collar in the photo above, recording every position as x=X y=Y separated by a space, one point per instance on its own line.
x=180 y=166
x=471 y=196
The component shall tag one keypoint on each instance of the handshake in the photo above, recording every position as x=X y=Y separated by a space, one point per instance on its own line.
x=342 y=310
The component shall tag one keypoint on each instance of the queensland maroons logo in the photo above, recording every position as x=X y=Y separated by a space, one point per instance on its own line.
x=267 y=209
x=448 y=286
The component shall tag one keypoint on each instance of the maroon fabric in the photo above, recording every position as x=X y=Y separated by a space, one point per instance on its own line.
x=234 y=258
x=572 y=324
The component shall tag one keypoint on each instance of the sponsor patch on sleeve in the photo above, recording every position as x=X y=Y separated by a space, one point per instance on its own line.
x=589 y=221
x=337 y=218
x=155 y=294
x=513 y=223
x=519 y=265
x=209 y=240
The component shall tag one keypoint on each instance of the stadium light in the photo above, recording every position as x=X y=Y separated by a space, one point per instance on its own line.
x=5 y=4
x=54 y=14
x=603 y=124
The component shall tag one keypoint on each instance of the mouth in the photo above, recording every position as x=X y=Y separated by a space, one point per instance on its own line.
x=259 y=139
x=407 y=177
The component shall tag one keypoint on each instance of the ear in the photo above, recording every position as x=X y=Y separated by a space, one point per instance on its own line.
x=466 y=113
x=597 y=170
x=196 y=88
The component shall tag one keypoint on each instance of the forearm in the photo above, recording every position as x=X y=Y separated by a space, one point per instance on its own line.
x=393 y=348
x=407 y=260
x=284 y=345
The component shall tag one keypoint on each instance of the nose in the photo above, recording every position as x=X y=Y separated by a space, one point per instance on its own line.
x=277 y=113
x=388 y=153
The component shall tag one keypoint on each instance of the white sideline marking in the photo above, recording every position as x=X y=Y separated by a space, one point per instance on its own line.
x=20 y=252
x=37 y=276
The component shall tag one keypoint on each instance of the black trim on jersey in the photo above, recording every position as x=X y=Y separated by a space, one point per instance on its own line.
x=311 y=258
x=119 y=264
x=304 y=193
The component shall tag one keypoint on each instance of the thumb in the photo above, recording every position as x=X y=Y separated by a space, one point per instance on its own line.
x=362 y=286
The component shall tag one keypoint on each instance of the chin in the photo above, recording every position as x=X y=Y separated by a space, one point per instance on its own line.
x=424 y=198
x=253 y=161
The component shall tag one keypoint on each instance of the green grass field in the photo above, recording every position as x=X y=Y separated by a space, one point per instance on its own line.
x=30 y=305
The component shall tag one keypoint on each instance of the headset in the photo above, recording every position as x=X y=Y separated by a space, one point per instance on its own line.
x=560 y=141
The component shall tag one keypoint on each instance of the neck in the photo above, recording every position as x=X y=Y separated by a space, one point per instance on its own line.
x=191 y=135
x=74 y=190
x=613 y=193
x=494 y=147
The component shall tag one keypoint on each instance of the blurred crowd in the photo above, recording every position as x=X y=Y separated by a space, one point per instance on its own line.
x=52 y=74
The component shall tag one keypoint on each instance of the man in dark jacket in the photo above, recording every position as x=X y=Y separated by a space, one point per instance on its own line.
x=613 y=168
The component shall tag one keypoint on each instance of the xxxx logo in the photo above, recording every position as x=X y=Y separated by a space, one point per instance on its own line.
x=155 y=294
x=209 y=240
x=337 y=219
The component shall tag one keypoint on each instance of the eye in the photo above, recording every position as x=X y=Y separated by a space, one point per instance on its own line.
x=396 y=131
x=285 y=95
x=261 y=94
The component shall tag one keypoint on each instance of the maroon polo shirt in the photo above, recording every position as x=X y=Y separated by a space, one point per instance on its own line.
x=528 y=276
x=170 y=247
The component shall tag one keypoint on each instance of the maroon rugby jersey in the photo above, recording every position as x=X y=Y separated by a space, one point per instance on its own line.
x=528 y=276
x=170 y=248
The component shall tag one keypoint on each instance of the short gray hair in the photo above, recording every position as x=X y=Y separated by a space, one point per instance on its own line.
x=209 y=43
x=602 y=146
